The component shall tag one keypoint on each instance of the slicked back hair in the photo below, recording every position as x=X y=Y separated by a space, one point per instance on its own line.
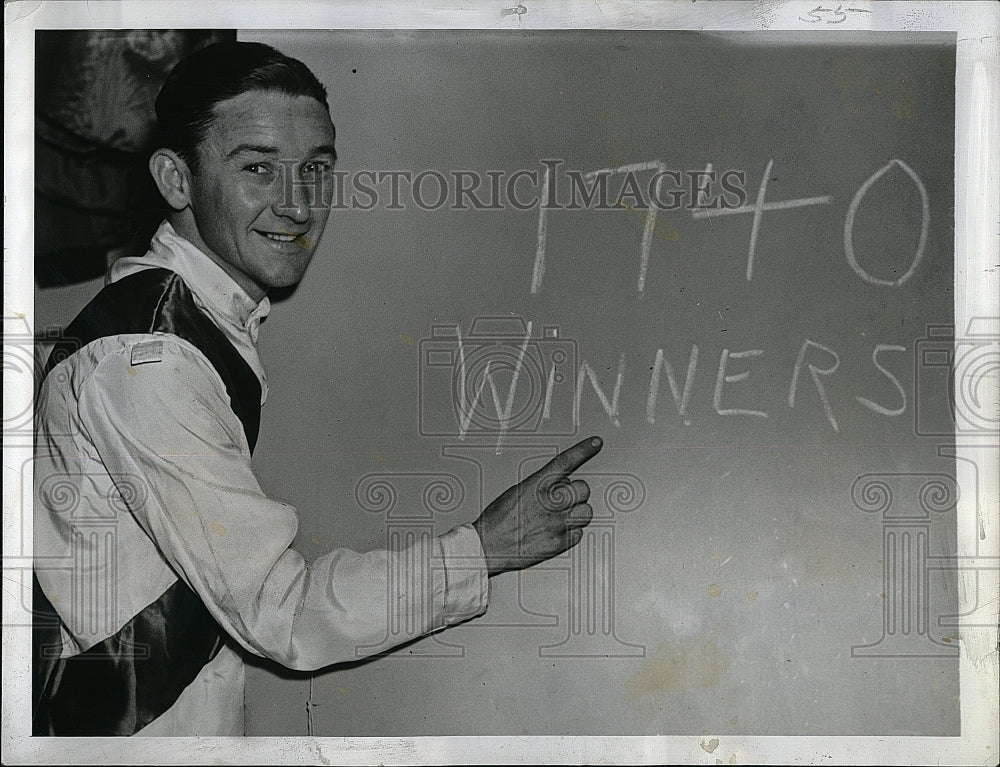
x=185 y=106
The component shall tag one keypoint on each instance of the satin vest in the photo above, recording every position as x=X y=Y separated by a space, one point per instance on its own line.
x=121 y=684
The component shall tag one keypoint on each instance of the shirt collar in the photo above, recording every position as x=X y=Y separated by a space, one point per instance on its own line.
x=215 y=290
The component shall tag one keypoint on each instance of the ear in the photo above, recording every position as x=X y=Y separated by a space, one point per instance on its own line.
x=172 y=177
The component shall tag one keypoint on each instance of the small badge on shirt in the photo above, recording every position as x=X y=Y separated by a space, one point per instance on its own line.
x=147 y=351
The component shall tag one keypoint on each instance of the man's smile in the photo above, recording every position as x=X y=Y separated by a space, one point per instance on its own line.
x=285 y=241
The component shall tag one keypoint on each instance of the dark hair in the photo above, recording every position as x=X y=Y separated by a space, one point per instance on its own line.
x=186 y=102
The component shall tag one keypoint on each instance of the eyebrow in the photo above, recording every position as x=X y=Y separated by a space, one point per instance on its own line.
x=272 y=150
x=325 y=149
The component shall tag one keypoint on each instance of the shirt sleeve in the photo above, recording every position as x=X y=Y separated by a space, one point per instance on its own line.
x=170 y=423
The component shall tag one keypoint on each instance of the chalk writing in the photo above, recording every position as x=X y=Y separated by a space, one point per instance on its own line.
x=815 y=371
x=703 y=207
x=925 y=219
x=611 y=408
x=592 y=186
x=723 y=377
x=647 y=233
x=819 y=360
x=881 y=409
x=757 y=209
x=680 y=399
x=466 y=408
x=484 y=407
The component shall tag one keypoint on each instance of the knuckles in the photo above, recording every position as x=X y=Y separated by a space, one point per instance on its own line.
x=561 y=495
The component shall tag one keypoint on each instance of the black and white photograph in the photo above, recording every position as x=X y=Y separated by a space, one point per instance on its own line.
x=550 y=382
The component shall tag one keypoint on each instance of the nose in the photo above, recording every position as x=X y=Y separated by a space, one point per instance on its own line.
x=295 y=200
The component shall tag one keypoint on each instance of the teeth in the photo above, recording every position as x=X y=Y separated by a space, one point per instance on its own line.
x=279 y=237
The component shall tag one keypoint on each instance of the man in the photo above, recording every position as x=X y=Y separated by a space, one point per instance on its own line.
x=159 y=560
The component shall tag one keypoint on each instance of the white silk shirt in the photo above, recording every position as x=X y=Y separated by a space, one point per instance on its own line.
x=143 y=476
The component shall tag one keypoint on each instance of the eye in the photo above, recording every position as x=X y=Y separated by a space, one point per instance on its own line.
x=317 y=166
x=257 y=168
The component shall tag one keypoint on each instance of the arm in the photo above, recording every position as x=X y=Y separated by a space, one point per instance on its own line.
x=170 y=423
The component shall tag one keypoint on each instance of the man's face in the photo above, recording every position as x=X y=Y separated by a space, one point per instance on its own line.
x=256 y=196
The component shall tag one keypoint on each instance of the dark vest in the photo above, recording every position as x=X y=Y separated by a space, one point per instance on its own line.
x=120 y=685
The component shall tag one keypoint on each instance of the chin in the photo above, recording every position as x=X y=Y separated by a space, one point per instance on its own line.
x=284 y=273
x=285 y=280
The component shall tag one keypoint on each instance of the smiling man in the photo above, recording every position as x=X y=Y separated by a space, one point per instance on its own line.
x=159 y=560
x=237 y=205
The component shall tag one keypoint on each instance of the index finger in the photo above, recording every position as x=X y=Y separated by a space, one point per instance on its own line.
x=570 y=460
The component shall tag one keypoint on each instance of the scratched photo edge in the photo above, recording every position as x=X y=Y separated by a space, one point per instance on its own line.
x=458 y=749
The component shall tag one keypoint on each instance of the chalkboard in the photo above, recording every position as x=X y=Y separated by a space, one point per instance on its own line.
x=754 y=322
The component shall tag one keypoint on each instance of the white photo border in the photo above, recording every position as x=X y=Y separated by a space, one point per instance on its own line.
x=977 y=287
